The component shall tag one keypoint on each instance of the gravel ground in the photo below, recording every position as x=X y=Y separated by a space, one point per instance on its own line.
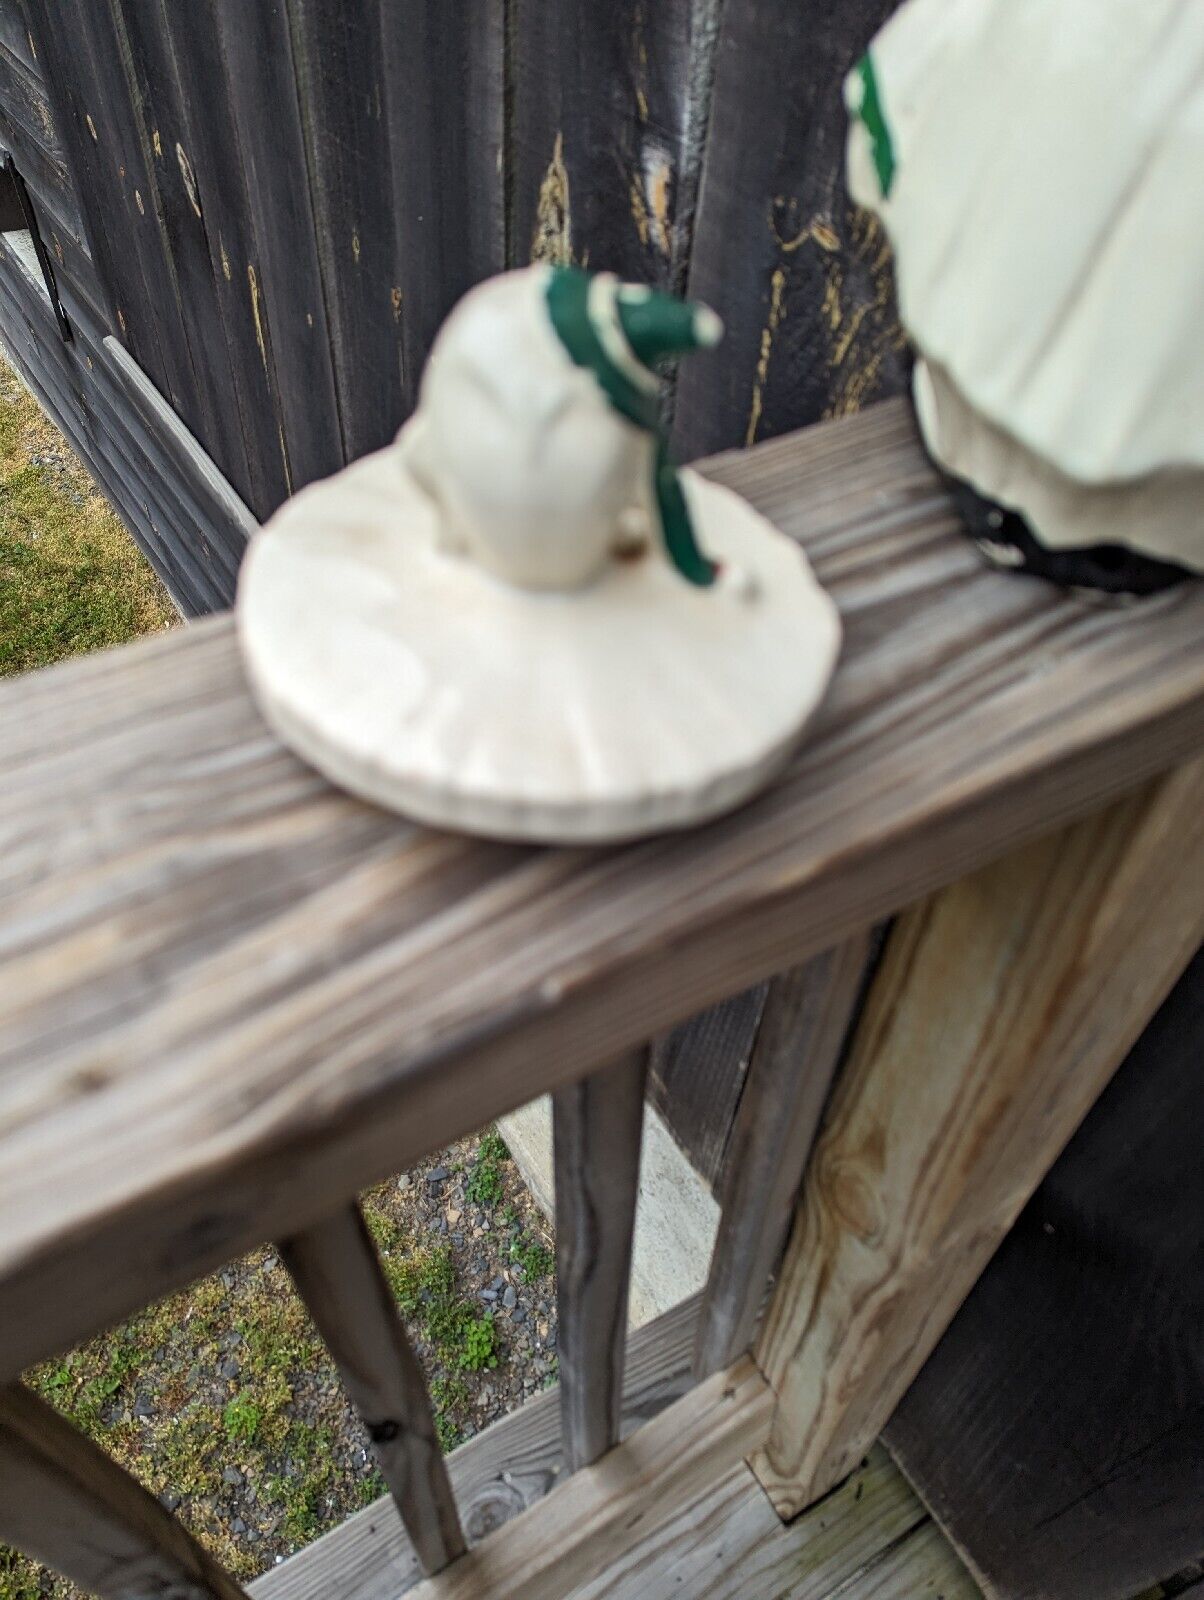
x=225 y=1404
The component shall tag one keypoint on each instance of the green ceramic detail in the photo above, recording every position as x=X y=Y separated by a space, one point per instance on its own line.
x=568 y=303
x=874 y=118
x=654 y=327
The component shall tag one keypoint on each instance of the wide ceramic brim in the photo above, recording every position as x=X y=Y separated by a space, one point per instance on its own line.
x=416 y=680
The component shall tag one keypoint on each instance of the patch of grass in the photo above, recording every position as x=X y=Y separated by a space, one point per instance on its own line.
x=241 y=1419
x=533 y=1259
x=478 y=1343
x=71 y=578
x=235 y=1376
x=483 y=1185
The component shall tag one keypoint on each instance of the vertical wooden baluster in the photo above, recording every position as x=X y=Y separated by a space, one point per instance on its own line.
x=597 y=1127
x=807 y=1014
x=338 y=1275
x=64 y=1502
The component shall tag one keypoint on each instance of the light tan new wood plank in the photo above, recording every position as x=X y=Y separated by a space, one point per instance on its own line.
x=232 y=997
x=871 y=1539
x=728 y=1544
x=66 y=1503
x=496 y=1475
x=596 y=1516
x=1000 y=1010
x=924 y=1566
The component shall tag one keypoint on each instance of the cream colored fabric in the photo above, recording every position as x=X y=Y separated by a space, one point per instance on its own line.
x=1160 y=515
x=1047 y=218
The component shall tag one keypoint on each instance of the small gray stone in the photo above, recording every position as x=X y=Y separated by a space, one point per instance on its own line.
x=143 y=1406
x=231 y=1367
x=497 y=1283
x=270 y=1264
x=550 y=1341
x=238 y=1526
x=169 y=1499
x=231 y=1475
x=510 y=1297
x=436 y=1175
x=488 y=1294
x=404 y=1182
x=519 y=1315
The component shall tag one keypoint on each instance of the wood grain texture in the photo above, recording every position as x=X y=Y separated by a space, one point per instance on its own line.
x=801 y=279
x=163 y=86
x=871 y=1537
x=199 y=153
x=597 y=1128
x=14 y=35
x=609 y=108
x=232 y=997
x=1058 y=1428
x=222 y=518
x=803 y=1027
x=602 y=1513
x=1000 y=1011
x=65 y=1503
x=496 y=1475
x=287 y=293
x=443 y=75
x=354 y=170
x=172 y=93
x=99 y=115
x=696 y=1076
x=338 y=1275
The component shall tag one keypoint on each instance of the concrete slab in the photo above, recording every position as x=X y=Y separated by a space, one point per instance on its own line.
x=676 y=1217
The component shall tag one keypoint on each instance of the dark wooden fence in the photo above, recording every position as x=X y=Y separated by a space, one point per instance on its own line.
x=272 y=206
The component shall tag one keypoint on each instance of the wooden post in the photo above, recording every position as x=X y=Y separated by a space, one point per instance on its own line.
x=597 y=1128
x=798 y=1044
x=338 y=1274
x=64 y=1502
x=1002 y=1007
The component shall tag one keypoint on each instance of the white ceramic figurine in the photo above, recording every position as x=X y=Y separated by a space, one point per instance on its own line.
x=1040 y=171
x=521 y=620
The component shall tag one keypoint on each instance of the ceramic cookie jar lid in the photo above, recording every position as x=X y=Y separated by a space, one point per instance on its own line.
x=520 y=620
x=1040 y=171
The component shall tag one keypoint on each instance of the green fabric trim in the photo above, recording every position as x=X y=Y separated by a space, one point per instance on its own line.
x=568 y=305
x=874 y=118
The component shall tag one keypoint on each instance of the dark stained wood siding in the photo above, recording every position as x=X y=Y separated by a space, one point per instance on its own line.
x=1057 y=1431
x=608 y=117
x=274 y=206
x=801 y=279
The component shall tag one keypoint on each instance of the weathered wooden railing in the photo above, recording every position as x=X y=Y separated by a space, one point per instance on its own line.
x=299 y=995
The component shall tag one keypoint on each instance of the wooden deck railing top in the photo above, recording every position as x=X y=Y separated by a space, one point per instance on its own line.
x=230 y=997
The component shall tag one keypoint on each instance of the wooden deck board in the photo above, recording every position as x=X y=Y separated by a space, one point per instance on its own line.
x=496 y=1475
x=231 y=997
x=871 y=1539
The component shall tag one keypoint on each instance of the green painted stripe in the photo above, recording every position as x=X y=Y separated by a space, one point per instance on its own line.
x=874 y=118
x=568 y=305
